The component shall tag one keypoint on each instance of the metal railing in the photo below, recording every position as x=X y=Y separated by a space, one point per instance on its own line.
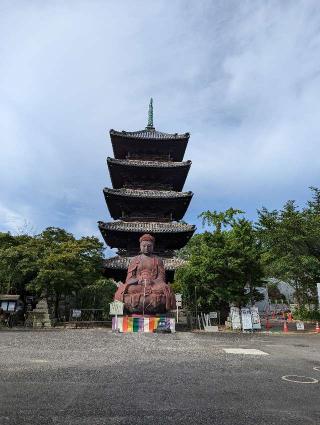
x=89 y=317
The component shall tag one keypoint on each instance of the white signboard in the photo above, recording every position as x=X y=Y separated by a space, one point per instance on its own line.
x=11 y=306
x=179 y=298
x=256 y=322
x=300 y=326
x=116 y=308
x=76 y=314
x=235 y=318
x=213 y=314
x=246 y=319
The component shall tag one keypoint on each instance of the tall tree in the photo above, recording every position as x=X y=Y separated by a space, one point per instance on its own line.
x=290 y=239
x=223 y=266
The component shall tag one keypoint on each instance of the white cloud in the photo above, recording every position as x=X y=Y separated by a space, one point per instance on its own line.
x=242 y=77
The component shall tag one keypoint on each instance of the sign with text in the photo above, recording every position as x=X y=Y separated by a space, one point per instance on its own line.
x=300 y=326
x=255 y=317
x=116 y=308
x=178 y=300
x=76 y=314
x=213 y=315
x=246 y=319
x=235 y=318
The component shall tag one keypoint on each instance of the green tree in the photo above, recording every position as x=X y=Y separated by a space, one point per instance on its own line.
x=291 y=245
x=66 y=264
x=223 y=266
x=97 y=294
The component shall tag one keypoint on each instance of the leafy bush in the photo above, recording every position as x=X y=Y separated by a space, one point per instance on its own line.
x=304 y=314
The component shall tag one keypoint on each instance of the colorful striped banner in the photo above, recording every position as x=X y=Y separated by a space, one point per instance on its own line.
x=141 y=324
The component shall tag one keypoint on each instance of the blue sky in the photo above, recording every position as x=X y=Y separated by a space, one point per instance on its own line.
x=243 y=77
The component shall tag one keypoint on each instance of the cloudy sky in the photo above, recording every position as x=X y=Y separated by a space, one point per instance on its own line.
x=243 y=77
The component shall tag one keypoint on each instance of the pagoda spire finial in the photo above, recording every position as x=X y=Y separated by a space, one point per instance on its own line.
x=150 y=116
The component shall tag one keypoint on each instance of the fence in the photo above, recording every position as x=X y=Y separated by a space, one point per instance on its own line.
x=89 y=317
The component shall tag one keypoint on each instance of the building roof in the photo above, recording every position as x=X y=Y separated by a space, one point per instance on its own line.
x=147 y=164
x=147 y=205
x=140 y=193
x=147 y=227
x=149 y=133
x=138 y=174
x=168 y=235
x=121 y=263
x=9 y=297
x=148 y=145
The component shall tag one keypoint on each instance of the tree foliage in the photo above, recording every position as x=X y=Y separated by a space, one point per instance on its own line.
x=224 y=265
x=54 y=262
x=291 y=245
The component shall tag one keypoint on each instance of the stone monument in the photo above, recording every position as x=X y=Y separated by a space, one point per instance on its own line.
x=40 y=315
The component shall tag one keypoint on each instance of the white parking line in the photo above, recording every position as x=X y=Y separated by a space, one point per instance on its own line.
x=298 y=379
x=246 y=351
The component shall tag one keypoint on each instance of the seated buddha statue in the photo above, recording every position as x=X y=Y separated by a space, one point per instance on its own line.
x=145 y=289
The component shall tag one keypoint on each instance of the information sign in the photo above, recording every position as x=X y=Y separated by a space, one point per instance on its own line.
x=255 y=317
x=213 y=315
x=179 y=298
x=116 y=308
x=11 y=306
x=300 y=326
x=246 y=319
x=76 y=314
x=235 y=318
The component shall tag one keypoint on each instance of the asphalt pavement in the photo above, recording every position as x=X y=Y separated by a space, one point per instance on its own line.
x=92 y=376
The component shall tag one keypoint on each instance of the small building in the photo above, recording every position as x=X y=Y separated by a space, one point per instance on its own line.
x=10 y=303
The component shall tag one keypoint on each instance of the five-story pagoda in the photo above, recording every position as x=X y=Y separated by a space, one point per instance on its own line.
x=147 y=174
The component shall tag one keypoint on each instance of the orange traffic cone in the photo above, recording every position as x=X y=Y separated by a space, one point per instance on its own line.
x=285 y=326
x=317 y=328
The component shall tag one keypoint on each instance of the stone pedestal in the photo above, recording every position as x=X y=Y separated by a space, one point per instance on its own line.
x=40 y=315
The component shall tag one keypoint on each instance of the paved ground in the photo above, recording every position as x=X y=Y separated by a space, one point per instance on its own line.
x=95 y=377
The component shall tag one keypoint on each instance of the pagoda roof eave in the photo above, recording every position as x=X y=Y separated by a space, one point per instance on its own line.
x=146 y=164
x=118 y=234
x=149 y=134
x=156 y=175
x=121 y=262
x=148 y=194
x=128 y=204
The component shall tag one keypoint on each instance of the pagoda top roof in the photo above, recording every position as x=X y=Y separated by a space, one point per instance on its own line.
x=139 y=193
x=149 y=133
x=154 y=164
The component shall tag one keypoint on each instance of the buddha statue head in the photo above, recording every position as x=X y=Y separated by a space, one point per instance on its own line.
x=146 y=244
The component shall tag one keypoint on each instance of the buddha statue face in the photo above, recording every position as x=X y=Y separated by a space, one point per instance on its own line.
x=146 y=247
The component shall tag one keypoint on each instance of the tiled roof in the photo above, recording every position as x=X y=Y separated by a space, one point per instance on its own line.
x=147 y=227
x=149 y=134
x=119 y=262
x=156 y=164
x=138 y=193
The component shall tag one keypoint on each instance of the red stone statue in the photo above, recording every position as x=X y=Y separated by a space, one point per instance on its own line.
x=145 y=289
